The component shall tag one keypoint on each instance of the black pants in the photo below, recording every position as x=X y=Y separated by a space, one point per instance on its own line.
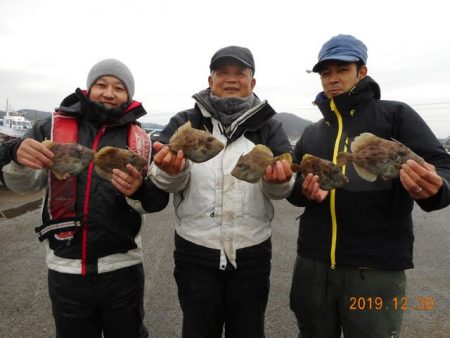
x=211 y=298
x=109 y=303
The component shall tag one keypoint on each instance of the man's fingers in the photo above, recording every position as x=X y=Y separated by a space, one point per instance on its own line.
x=279 y=172
x=420 y=180
x=34 y=154
x=179 y=162
x=157 y=146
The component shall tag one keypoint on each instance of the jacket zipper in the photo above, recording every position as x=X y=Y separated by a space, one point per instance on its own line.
x=84 y=234
x=333 y=191
x=345 y=148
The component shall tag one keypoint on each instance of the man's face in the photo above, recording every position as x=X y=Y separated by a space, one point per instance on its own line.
x=340 y=77
x=231 y=79
x=109 y=91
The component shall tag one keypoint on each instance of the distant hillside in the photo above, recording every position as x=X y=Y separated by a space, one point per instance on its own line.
x=150 y=125
x=292 y=124
x=447 y=142
x=34 y=115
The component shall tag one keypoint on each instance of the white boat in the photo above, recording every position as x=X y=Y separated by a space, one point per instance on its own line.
x=14 y=123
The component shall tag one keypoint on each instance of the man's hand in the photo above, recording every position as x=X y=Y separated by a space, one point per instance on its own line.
x=277 y=173
x=172 y=163
x=311 y=189
x=34 y=154
x=127 y=183
x=420 y=180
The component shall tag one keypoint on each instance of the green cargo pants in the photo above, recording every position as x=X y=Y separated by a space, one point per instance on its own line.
x=363 y=303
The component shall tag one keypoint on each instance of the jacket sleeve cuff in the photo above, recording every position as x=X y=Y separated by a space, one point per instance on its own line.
x=438 y=201
x=24 y=180
x=167 y=182
x=277 y=191
x=137 y=195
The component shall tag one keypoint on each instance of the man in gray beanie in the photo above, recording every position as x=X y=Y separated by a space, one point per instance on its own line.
x=91 y=225
x=112 y=67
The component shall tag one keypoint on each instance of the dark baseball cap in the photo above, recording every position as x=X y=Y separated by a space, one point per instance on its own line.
x=240 y=54
x=342 y=47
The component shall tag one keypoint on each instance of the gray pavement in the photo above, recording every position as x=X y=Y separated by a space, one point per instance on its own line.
x=25 y=308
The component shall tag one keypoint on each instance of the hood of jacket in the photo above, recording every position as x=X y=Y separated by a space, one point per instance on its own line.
x=79 y=105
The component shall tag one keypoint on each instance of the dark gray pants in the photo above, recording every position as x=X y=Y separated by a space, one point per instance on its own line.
x=360 y=302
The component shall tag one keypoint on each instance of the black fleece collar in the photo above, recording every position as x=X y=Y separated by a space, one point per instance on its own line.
x=349 y=102
x=79 y=105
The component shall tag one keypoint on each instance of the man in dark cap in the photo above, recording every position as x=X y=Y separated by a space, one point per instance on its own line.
x=356 y=241
x=91 y=226
x=223 y=235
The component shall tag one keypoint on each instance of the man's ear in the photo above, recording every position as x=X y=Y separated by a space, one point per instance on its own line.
x=362 y=72
x=253 y=83
x=210 y=81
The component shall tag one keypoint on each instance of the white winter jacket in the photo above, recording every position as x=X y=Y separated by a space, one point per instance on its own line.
x=213 y=208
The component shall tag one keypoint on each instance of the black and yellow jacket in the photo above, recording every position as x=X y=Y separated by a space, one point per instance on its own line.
x=365 y=224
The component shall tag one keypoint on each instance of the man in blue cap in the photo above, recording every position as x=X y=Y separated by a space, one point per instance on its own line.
x=356 y=241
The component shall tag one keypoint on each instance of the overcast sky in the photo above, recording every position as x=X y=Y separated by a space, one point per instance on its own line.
x=48 y=47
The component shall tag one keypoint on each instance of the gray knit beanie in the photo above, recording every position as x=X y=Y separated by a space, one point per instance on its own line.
x=112 y=67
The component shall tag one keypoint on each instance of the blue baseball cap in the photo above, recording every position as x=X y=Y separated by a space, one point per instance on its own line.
x=342 y=47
